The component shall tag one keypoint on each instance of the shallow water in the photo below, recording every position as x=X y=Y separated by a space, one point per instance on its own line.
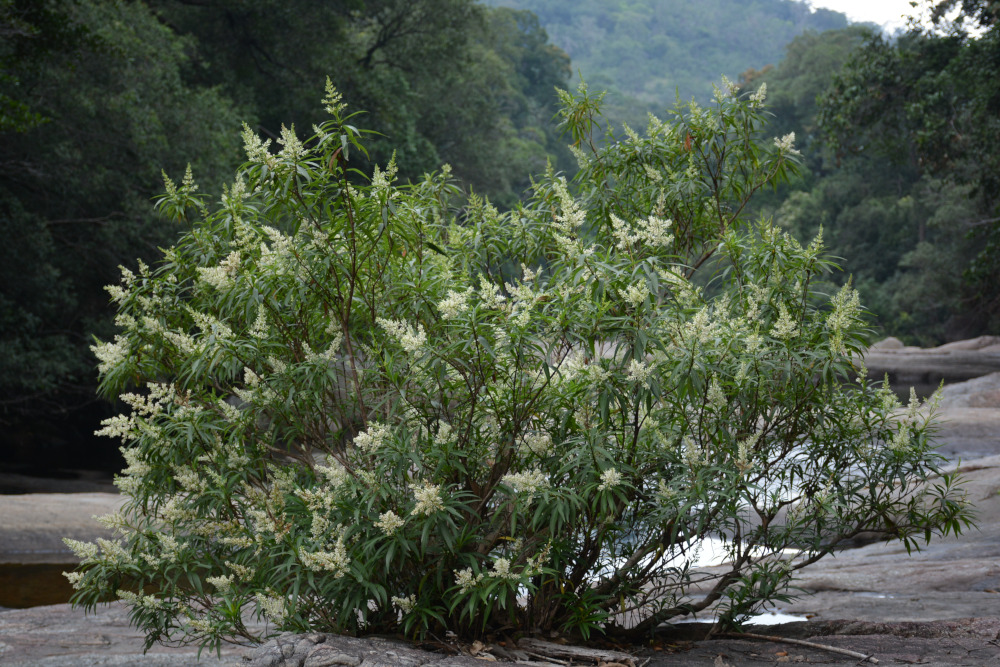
x=23 y=586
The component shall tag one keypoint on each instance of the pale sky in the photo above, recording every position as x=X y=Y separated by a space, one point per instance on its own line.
x=886 y=13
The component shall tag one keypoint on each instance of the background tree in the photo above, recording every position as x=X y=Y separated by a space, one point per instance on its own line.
x=441 y=78
x=930 y=102
x=95 y=105
x=647 y=53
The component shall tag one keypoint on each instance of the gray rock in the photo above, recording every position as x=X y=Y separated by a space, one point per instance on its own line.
x=952 y=362
x=335 y=650
x=328 y=656
x=58 y=636
x=981 y=392
x=890 y=343
x=32 y=526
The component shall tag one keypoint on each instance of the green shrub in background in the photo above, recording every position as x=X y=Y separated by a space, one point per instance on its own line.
x=357 y=408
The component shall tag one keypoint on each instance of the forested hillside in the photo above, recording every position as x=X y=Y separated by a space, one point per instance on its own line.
x=653 y=50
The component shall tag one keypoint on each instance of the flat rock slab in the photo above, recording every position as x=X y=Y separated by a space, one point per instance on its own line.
x=953 y=362
x=58 y=636
x=32 y=525
x=970 y=641
x=887 y=649
x=967 y=642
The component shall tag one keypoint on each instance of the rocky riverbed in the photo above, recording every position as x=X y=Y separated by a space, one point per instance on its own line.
x=909 y=609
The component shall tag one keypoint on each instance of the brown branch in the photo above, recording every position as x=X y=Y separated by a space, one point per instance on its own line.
x=801 y=642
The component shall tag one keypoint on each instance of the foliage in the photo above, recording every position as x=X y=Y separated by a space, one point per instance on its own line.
x=900 y=223
x=803 y=74
x=96 y=98
x=445 y=81
x=100 y=108
x=360 y=411
x=929 y=101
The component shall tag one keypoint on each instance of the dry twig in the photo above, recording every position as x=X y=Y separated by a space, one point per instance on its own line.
x=801 y=642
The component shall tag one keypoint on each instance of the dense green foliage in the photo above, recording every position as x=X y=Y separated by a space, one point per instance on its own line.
x=902 y=172
x=94 y=106
x=356 y=408
x=930 y=104
x=446 y=81
x=98 y=96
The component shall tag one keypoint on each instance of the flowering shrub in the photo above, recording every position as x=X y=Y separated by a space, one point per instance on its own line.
x=355 y=408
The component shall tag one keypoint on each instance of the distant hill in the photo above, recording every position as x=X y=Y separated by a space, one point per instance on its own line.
x=651 y=50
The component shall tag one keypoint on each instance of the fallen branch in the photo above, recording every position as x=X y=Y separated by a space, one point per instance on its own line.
x=800 y=642
x=554 y=652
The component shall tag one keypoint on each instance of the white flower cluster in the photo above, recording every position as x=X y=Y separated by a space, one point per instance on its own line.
x=333 y=100
x=489 y=294
x=244 y=572
x=259 y=328
x=118 y=293
x=539 y=443
x=373 y=439
x=529 y=482
x=715 y=395
x=786 y=144
x=846 y=304
x=210 y=325
x=728 y=89
x=610 y=478
x=222 y=583
x=273 y=607
x=785 y=328
x=410 y=339
x=279 y=255
x=112 y=354
x=639 y=372
x=74 y=579
x=745 y=451
x=455 y=304
x=141 y=601
x=466 y=580
x=257 y=151
x=653 y=232
x=694 y=454
x=570 y=217
x=292 y=149
x=635 y=295
x=445 y=434
x=85 y=551
x=336 y=561
x=406 y=604
x=428 y=497
x=389 y=522
x=501 y=570
x=381 y=180
x=221 y=277
x=701 y=327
